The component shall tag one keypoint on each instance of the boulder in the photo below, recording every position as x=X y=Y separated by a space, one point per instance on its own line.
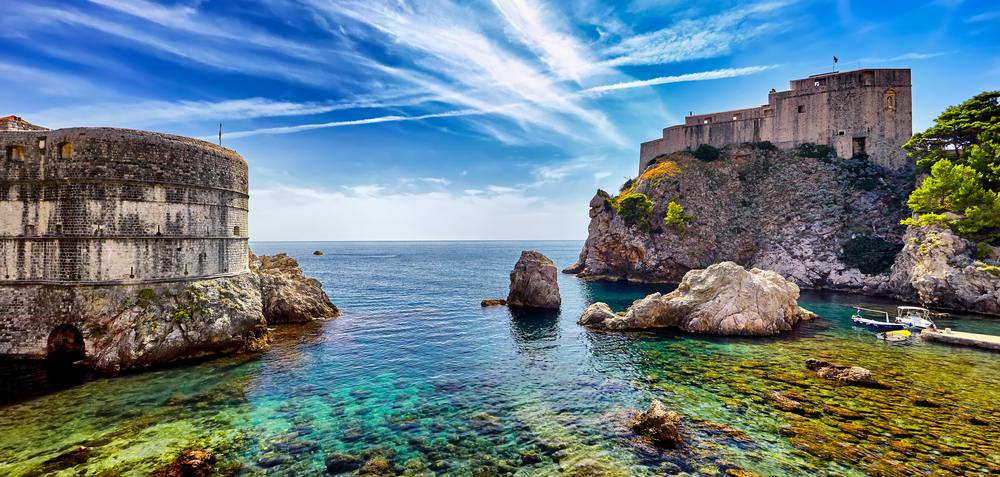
x=196 y=463
x=70 y=458
x=289 y=296
x=850 y=375
x=317 y=253
x=337 y=463
x=597 y=313
x=659 y=425
x=487 y=303
x=723 y=299
x=533 y=282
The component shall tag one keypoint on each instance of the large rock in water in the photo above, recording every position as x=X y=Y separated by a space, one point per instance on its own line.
x=289 y=296
x=659 y=425
x=723 y=299
x=533 y=282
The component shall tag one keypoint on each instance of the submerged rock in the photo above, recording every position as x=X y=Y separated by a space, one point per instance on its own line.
x=196 y=463
x=533 y=282
x=723 y=299
x=341 y=463
x=850 y=375
x=289 y=296
x=62 y=461
x=659 y=425
x=487 y=303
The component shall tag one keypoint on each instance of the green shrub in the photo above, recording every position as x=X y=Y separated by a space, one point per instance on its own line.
x=984 y=251
x=820 y=151
x=627 y=185
x=870 y=255
x=675 y=214
x=706 y=153
x=97 y=331
x=147 y=294
x=635 y=210
x=860 y=156
x=766 y=146
x=181 y=314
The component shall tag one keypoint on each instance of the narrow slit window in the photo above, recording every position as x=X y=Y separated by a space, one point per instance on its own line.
x=802 y=109
x=236 y=231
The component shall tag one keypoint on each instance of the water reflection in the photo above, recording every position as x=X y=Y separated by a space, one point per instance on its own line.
x=28 y=378
x=534 y=329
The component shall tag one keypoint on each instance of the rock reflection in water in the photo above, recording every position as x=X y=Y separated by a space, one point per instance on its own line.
x=534 y=329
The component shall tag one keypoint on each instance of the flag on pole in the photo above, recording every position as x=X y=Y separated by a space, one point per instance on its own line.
x=834 y=59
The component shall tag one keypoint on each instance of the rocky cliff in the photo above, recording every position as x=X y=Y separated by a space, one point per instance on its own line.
x=156 y=324
x=287 y=295
x=811 y=219
x=772 y=210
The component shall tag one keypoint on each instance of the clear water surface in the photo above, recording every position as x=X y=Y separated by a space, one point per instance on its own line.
x=417 y=376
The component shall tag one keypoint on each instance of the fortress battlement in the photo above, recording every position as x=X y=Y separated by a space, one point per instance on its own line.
x=865 y=110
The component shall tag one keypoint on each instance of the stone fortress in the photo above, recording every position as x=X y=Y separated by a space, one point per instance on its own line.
x=866 y=110
x=91 y=217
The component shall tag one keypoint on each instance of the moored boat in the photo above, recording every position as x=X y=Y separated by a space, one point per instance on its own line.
x=899 y=335
x=914 y=316
x=887 y=325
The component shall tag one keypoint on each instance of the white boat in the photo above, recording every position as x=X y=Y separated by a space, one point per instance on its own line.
x=859 y=319
x=913 y=316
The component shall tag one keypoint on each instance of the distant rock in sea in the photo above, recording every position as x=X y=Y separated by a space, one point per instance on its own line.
x=533 y=282
x=287 y=295
x=723 y=299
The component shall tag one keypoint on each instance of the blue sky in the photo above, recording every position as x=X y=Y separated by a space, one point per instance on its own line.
x=434 y=120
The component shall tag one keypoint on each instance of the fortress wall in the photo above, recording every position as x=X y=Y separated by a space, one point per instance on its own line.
x=847 y=111
x=101 y=204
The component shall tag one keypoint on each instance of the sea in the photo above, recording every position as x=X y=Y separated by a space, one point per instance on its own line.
x=416 y=378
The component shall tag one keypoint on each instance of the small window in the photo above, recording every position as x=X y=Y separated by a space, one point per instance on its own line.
x=15 y=153
x=29 y=230
x=236 y=231
x=737 y=117
x=802 y=109
x=66 y=151
x=840 y=133
x=890 y=99
x=869 y=75
x=706 y=120
x=820 y=82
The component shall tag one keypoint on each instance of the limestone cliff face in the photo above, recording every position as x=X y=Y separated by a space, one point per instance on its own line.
x=139 y=326
x=768 y=210
x=288 y=295
x=937 y=268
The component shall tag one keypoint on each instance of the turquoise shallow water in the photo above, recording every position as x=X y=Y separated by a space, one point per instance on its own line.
x=416 y=372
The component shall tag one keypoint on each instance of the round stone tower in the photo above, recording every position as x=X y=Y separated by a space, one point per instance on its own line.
x=90 y=209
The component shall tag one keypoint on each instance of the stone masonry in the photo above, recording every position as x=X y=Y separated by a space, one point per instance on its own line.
x=114 y=209
x=868 y=110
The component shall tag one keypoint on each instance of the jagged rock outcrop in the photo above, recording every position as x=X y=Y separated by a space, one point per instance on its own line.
x=939 y=269
x=533 y=282
x=196 y=463
x=722 y=299
x=848 y=374
x=769 y=210
x=659 y=425
x=288 y=296
x=155 y=324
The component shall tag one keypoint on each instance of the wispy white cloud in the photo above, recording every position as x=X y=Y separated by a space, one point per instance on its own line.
x=908 y=56
x=688 y=39
x=601 y=175
x=502 y=190
x=702 y=76
x=307 y=127
x=566 y=56
x=435 y=180
x=982 y=17
x=365 y=190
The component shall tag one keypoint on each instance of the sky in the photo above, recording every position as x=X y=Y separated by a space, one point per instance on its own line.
x=471 y=120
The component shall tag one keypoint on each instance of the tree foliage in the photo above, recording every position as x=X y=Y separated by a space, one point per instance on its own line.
x=962 y=153
x=870 y=255
x=635 y=210
x=675 y=214
x=955 y=130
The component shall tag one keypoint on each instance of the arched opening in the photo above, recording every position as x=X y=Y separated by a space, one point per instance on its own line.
x=66 y=344
x=236 y=231
x=66 y=150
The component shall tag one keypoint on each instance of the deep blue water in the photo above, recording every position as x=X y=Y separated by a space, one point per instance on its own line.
x=416 y=371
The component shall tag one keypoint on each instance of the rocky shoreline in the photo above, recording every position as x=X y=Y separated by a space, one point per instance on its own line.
x=778 y=211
